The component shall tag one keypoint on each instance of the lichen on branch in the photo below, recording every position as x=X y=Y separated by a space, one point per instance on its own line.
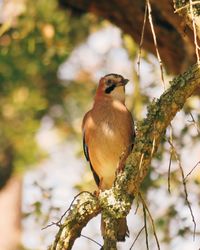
x=86 y=207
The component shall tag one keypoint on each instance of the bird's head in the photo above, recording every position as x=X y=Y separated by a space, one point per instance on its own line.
x=112 y=85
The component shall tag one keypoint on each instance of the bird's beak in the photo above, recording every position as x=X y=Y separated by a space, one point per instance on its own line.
x=125 y=81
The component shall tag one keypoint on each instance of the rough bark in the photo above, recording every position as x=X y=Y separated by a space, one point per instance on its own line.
x=174 y=35
x=85 y=209
x=116 y=202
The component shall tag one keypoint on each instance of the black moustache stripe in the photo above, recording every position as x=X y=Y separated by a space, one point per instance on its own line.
x=110 y=89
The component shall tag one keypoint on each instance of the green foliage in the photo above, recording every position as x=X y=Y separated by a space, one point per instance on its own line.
x=30 y=54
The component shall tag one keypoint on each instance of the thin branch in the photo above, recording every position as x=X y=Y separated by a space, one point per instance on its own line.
x=84 y=210
x=195 y=123
x=137 y=236
x=151 y=219
x=187 y=200
x=184 y=187
x=185 y=179
x=186 y=6
x=141 y=40
x=50 y=225
x=142 y=157
x=58 y=223
x=189 y=19
x=153 y=148
x=145 y=226
x=195 y=32
x=137 y=206
x=169 y=174
x=83 y=192
x=155 y=41
x=84 y=236
x=170 y=160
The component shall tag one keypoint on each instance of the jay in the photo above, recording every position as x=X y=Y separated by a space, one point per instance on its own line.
x=108 y=136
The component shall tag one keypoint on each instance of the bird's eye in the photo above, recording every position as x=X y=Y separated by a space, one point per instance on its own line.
x=109 y=81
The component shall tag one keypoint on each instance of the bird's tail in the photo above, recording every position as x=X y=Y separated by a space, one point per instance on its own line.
x=122 y=229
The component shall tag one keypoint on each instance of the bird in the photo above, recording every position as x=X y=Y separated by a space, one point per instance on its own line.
x=108 y=136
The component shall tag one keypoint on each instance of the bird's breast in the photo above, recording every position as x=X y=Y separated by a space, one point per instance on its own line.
x=111 y=130
x=108 y=130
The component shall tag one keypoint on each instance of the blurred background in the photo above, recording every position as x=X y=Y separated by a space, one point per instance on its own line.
x=50 y=64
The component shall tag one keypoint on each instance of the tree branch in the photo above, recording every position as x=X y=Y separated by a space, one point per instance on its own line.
x=188 y=11
x=116 y=202
x=110 y=235
x=84 y=210
x=191 y=14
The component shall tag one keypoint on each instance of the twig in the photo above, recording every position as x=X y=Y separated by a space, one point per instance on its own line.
x=137 y=236
x=91 y=240
x=151 y=219
x=186 y=6
x=50 y=225
x=186 y=198
x=170 y=160
x=155 y=41
x=195 y=123
x=83 y=192
x=169 y=174
x=184 y=187
x=58 y=223
x=141 y=40
x=145 y=225
x=141 y=159
x=153 y=147
x=191 y=170
x=137 y=206
x=195 y=32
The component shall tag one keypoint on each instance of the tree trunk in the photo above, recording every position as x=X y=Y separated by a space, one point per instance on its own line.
x=174 y=36
x=10 y=214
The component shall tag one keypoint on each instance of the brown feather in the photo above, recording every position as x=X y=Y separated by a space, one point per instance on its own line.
x=109 y=133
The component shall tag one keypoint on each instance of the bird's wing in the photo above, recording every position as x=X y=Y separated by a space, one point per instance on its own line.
x=84 y=126
x=86 y=152
x=85 y=149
